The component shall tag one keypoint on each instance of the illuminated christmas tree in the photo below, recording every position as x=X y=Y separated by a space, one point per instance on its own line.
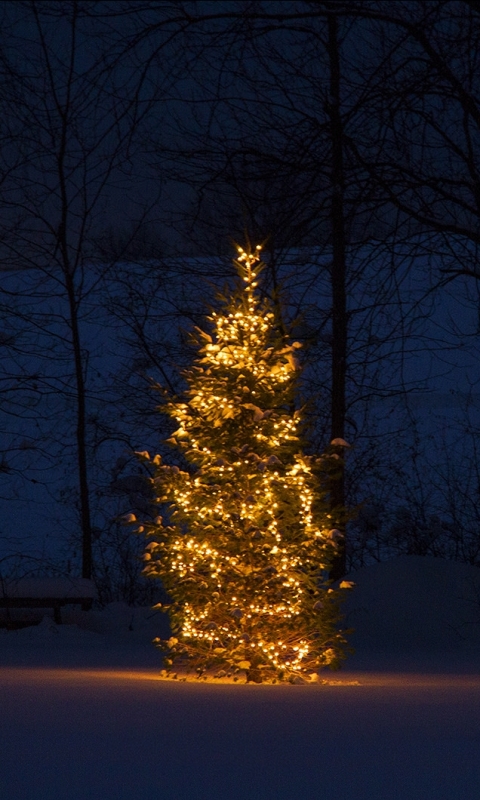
x=246 y=544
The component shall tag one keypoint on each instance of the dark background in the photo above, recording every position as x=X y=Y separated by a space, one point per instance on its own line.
x=137 y=140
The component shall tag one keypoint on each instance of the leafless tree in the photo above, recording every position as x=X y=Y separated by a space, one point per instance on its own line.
x=74 y=115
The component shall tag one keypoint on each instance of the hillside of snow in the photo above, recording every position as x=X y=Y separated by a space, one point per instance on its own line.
x=415 y=611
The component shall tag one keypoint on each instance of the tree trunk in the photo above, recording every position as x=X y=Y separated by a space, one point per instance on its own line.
x=338 y=280
x=81 y=419
x=81 y=433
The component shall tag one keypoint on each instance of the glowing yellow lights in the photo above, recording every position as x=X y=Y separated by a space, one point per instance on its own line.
x=245 y=548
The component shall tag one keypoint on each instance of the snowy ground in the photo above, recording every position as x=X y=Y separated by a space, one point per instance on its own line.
x=84 y=715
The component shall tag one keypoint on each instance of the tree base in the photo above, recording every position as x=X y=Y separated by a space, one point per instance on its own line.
x=254 y=675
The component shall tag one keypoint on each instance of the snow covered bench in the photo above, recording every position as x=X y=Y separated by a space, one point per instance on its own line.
x=47 y=593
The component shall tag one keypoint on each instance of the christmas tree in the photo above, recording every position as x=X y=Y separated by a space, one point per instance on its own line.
x=246 y=543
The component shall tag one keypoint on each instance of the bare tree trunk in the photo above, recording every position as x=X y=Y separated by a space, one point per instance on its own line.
x=74 y=126
x=80 y=388
x=81 y=435
x=338 y=284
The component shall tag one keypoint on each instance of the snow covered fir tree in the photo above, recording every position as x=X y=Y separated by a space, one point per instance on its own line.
x=246 y=539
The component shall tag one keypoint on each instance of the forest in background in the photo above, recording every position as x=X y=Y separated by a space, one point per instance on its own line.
x=137 y=141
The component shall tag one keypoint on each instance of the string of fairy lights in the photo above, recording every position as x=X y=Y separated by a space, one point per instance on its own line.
x=240 y=370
